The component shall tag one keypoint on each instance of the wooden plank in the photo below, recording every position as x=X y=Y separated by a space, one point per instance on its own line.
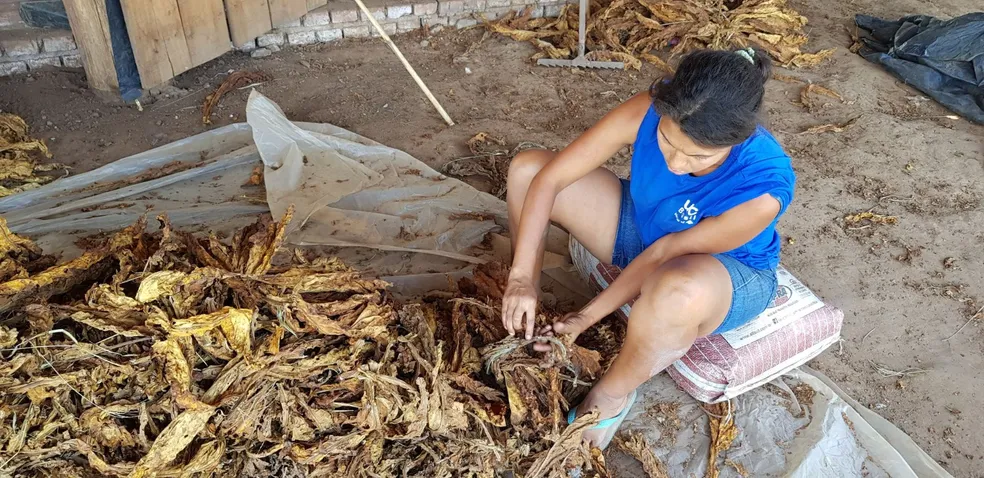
x=248 y=19
x=205 y=29
x=312 y=4
x=90 y=26
x=157 y=38
x=283 y=12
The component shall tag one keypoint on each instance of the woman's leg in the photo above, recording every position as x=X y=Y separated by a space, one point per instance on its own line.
x=686 y=298
x=588 y=209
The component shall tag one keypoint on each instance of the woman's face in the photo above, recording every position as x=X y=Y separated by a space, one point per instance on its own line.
x=683 y=155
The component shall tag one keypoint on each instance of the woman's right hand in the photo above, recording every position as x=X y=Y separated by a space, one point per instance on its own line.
x=519 y=302
x=572 y=324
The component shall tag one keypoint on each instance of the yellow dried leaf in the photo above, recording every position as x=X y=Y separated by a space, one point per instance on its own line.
x=157 y=284
x=235 y=319
x=19 y=154
x=518 y=410
x=811 y=88
x=8 y=337
x=806 y=60
x=519 y=35
x=648 y=22
x=721 y=420
x=869 y=217
x=174 y=438
x=629 y=60
x=657 y=61
x=178 y=370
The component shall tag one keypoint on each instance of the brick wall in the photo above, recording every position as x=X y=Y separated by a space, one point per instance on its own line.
x=27 y=49
x=343 y=19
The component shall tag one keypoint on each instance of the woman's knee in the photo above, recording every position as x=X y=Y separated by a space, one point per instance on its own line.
x=526 y=165
x=675 y=289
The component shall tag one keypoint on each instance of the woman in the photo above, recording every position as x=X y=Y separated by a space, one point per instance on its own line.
x=694 y=230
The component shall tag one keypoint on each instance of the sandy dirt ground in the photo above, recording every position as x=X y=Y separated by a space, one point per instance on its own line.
x=906 y=288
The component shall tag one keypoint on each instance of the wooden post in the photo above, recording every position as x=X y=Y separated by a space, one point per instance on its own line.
x=90 y=25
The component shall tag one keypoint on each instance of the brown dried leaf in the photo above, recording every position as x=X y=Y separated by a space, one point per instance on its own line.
x=869 y=218
x=234 y=81
x=807 y=102
x=830 y=127
x=637 y=447
x=786 y=78
x=721 y=420
x=639 y=28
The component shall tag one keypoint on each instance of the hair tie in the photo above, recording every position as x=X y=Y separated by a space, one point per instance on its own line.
x=748 y=54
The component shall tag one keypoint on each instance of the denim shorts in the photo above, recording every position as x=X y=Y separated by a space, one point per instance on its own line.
x=752 y=289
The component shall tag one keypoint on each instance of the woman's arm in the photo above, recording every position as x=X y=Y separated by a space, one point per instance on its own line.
x=588 y=152
x=713 y=235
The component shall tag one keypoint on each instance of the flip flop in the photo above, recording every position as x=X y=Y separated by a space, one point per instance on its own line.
x=611 y=423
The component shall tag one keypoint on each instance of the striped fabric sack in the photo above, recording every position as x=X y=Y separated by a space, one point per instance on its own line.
x=796 y=327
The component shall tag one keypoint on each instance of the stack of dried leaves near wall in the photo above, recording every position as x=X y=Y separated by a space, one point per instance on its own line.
x=168 y=354
x=19 y=157
x=631 y=31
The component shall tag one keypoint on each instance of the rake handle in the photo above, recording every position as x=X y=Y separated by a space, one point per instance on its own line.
x=582 y=26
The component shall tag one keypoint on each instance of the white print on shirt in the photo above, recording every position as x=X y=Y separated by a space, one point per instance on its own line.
x=687 y=214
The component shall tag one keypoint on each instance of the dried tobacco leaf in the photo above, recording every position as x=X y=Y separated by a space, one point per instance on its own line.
x=60 y=279
x=637 y=447
x=630 y=31
x=173 y=440
x=234 y=81
x=19 y=156
x=721 y=421
x=831 y=127
x=237 y=367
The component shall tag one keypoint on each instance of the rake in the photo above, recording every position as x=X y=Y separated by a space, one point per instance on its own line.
x=580 y=61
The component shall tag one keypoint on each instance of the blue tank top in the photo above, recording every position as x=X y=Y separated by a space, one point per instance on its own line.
x=667 y=203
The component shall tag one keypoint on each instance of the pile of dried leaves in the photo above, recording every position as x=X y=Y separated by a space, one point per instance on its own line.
x=19 y=157
x=489 y=159
x=166 y=354
x=631 y=31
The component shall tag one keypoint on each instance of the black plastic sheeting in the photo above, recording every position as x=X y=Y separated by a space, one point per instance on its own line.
x=126 y=65
x=942 y=58
x=44 y=14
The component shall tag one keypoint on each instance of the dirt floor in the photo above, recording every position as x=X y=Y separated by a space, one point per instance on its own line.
x=907 y=289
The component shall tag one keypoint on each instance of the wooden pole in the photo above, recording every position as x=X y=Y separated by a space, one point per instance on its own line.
x=406 y=64
x=90 y=25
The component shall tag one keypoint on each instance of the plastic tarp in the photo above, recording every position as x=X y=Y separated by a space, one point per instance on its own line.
x=408 y=221
x=831 y=435
x=347 y=191
x=942 y=58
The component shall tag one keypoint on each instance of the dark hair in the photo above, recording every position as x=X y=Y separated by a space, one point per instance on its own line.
x=715 y=96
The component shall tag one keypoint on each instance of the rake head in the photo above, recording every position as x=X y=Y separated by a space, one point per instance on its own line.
x=581 y=62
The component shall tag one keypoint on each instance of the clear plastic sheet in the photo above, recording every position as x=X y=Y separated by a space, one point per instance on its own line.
x=832 y=435
x=347 y=191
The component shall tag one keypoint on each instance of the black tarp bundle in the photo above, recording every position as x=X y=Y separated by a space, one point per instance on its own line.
x=942 y=58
